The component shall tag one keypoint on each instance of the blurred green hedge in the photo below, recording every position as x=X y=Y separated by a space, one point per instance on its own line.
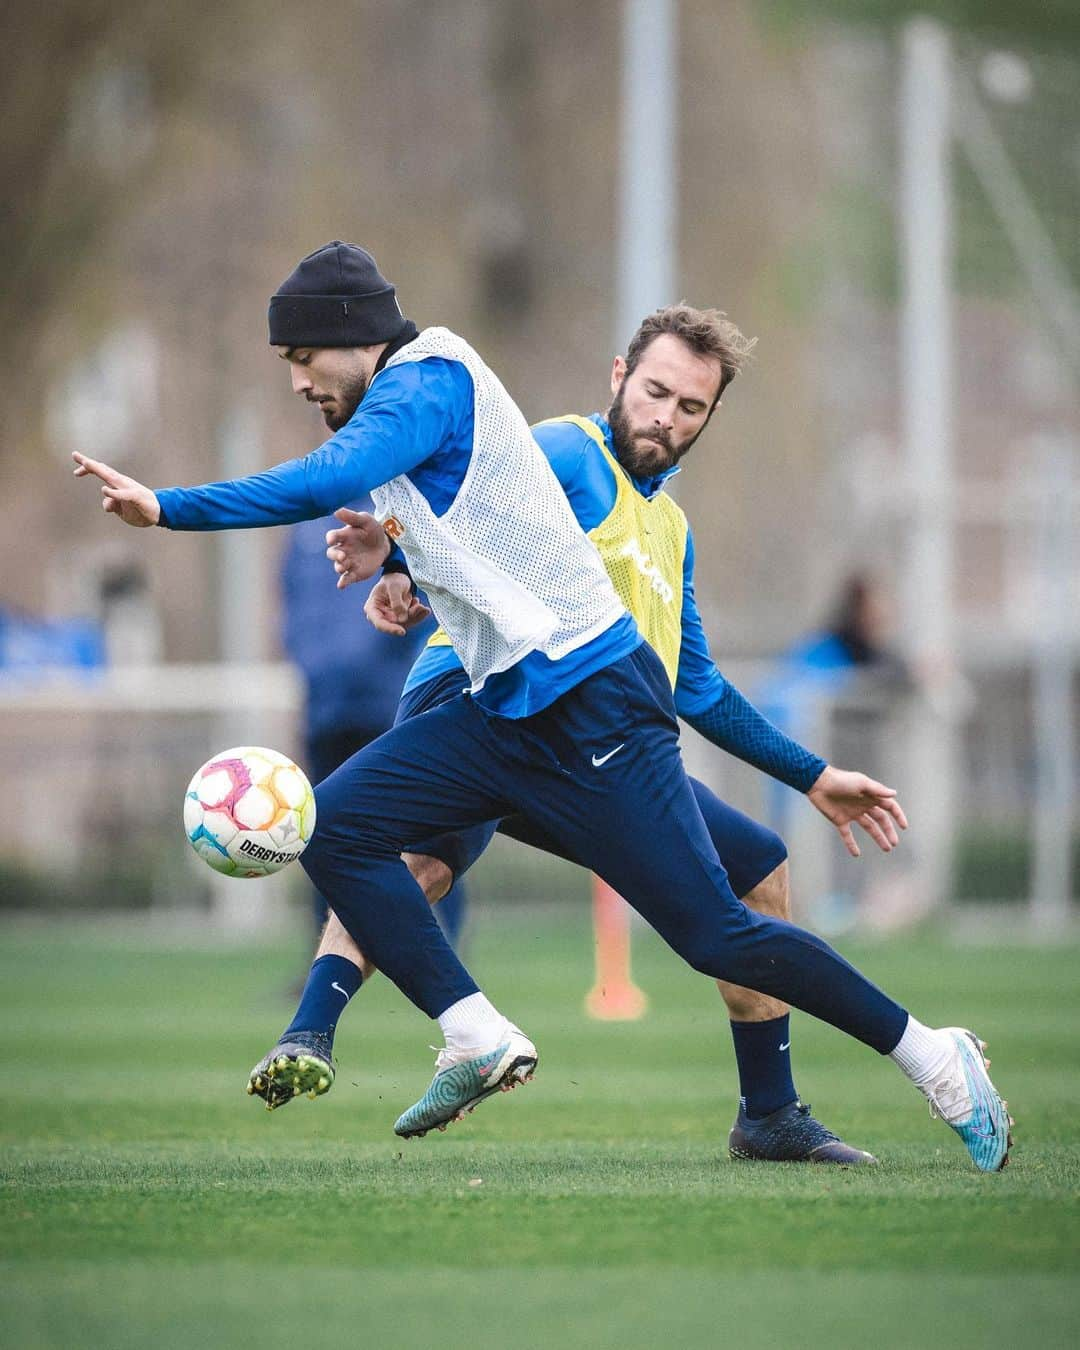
x=990 y=865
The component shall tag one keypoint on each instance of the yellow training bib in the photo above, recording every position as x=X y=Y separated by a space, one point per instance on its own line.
x=642 y=543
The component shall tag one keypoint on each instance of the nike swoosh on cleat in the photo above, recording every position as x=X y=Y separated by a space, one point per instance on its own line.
x=603 y=759
x=989 y=1132
x=786 y=1046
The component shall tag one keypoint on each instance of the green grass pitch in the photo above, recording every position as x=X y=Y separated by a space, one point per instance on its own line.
x=147 y=1201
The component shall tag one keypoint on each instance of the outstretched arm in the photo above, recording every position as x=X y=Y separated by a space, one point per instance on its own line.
x=843 y=797
x=726 y=717
x=719 y=712
x=411 y=412
x=279 y=496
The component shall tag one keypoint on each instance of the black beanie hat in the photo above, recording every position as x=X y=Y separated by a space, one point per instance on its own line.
x=335 y=297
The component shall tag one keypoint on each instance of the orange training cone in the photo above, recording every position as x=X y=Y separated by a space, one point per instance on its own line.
x=614 y=996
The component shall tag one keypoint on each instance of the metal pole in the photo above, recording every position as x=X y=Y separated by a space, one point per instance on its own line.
x=645 y=279
x=1052 y=707
x=925 y=379
x=645 y=225
x=1033 y=246
x=245 y=591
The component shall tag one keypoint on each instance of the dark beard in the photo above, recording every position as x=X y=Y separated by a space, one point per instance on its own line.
x=638 y=459
x=346 y=402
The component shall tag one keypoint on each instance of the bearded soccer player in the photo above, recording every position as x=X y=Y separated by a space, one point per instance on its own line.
x=568 y=720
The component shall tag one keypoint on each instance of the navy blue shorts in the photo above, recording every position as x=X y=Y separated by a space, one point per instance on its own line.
x=599 y=770
x=749 y=851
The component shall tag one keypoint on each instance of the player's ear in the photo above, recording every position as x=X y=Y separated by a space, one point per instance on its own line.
x=618 y=373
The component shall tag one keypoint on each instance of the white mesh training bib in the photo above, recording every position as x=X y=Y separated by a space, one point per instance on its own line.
x=507 y=568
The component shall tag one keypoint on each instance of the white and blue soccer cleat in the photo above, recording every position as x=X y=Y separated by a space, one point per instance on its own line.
x=463 y=1080
x=966 y=1100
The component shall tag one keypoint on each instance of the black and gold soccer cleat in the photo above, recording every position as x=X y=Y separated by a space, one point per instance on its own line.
x=302 y=1062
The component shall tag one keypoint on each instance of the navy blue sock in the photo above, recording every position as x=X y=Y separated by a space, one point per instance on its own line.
x=764 y=1058
x=331 y=982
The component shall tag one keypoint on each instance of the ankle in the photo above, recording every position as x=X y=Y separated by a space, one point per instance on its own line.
x=331 y=983
x=472 y=1023
x=921 y=1053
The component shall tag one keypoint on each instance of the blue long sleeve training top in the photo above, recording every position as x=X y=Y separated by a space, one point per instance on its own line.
x=417 y=419
x=703 y=697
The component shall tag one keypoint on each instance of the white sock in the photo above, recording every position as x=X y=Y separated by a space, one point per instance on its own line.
x=921 y=1052
x=472 y=1023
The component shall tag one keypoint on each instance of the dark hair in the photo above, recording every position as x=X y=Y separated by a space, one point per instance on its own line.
x=708 y=332
x=848 y=618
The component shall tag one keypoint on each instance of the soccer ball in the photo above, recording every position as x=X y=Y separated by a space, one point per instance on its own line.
x=249 y=812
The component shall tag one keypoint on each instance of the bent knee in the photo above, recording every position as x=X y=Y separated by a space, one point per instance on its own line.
x=772 y=895
x=712 y=954
x=731 y=949
x=773 y=850
x=431 y=874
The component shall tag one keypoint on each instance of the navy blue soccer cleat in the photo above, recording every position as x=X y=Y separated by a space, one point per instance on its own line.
x=791 y=1135
x=301 y=1062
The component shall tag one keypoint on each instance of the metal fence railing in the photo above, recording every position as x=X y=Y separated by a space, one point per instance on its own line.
x=95 y=772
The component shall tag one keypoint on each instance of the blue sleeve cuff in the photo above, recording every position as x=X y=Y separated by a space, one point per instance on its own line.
x=395 y=562
x=735 y=725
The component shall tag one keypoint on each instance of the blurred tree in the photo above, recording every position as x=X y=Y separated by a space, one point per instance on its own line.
x=87 y=84
x=1048 y=22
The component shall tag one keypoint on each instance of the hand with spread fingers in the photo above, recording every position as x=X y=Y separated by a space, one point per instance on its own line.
x=133 y=502
x=358 y=548
x=846 y=798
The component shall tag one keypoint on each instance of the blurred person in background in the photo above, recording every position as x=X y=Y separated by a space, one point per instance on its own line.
x=856 y=639
x=847 y=667
x=352 y=674
x=129 y=612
